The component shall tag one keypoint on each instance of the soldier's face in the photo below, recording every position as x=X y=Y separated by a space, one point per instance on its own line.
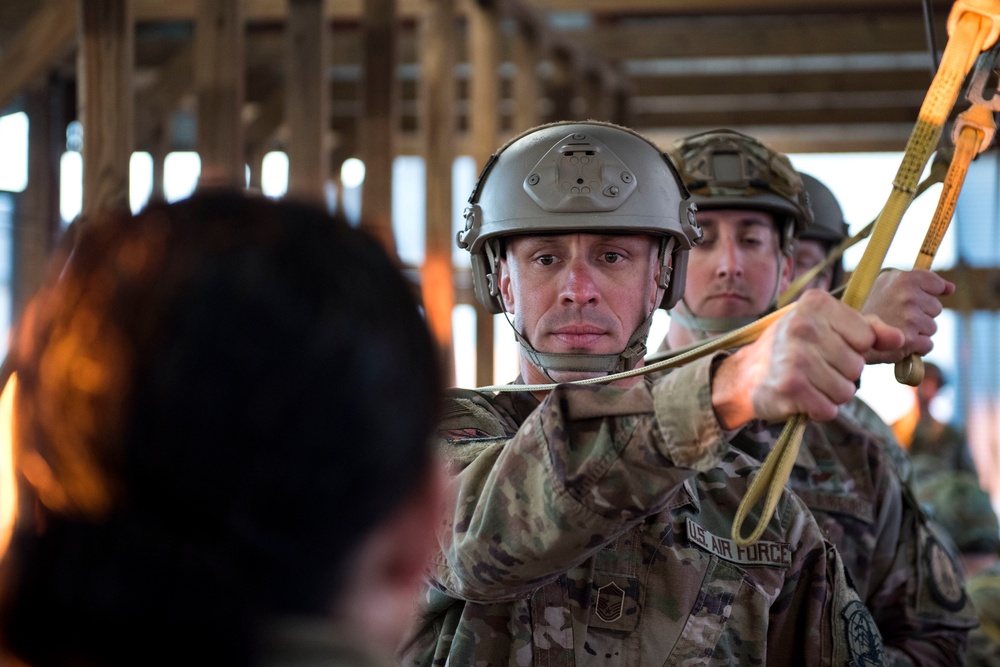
x=807 y=255
x=735 y=271
x=579 y=293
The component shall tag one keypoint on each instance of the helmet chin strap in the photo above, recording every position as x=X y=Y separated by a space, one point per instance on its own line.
x=706 y=327
x=625 y=360
x=709 y=327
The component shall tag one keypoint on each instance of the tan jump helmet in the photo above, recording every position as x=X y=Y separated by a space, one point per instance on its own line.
x=575 y=177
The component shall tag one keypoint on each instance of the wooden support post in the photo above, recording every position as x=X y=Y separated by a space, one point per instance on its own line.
x=621 y=109
x=437 y=125
x=600 y=99
x=159 y=148
x=220 y=84
x=484 y=127
x=156 y=104
x=107 y=42
x=307 y=96
x=255 y=162
x=260 y=132
x=527 y=87
x=378 y=124
x=561 y=86
x=38 y=216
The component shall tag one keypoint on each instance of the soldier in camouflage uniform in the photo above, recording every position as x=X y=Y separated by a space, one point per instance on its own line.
x=936 y=446
x=591 y=524
x=984 y=641
x=750 y=204
x=957 y=501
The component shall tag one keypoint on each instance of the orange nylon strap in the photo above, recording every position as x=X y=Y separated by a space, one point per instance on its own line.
x=974 y=130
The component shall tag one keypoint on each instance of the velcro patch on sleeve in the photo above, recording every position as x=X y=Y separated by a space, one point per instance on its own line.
x=760 y=553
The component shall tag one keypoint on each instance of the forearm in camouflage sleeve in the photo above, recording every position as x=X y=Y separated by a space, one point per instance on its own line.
x=587 y=465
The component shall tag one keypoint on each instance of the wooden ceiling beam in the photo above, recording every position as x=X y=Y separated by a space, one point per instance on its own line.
x=774 y=117
x=806 y=138
x=728 y=7
x=888 y=81
x=275 y=10
x=749 y=36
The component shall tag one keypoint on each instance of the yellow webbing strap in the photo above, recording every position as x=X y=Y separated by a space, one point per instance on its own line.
x=735 y=338
x=974 y=130
x=936 y=175
x=972 y=26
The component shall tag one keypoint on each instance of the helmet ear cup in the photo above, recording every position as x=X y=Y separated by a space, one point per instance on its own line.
x=675 y=285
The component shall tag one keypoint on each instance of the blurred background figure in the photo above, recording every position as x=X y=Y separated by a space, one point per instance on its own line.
x=222 y=419
x=958 y=504
x=934 y=446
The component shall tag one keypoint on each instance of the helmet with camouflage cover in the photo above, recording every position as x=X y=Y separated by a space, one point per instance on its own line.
x=725 y=169
x=963 y=508
x=728 y=169
x=573 y=177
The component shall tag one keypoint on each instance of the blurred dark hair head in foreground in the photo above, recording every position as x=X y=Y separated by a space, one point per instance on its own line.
x=217 y=400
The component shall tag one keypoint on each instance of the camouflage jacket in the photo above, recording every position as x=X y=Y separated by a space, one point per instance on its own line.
x=984 y=641
x=593 y=529
x=939 y=447
x=896 y=558
x=861 y=415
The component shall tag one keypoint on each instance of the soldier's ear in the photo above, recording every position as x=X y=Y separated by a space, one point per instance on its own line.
x=388 y=570
x=786 y=265
x=506 y=289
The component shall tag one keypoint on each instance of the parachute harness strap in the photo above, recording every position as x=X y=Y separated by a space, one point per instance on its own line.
x=937 y=175
x=974 y=130
x=972 y=27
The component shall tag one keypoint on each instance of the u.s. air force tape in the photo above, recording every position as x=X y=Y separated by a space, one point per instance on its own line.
x=761 y=552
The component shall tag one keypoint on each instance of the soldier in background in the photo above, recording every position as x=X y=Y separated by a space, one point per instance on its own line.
x=933 y=446
x=591 y=524
x=958 y=503
x=751 y=205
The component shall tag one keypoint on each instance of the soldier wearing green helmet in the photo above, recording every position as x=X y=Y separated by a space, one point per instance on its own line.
x=751 y=207
x=826 y=232
x=591 y=524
